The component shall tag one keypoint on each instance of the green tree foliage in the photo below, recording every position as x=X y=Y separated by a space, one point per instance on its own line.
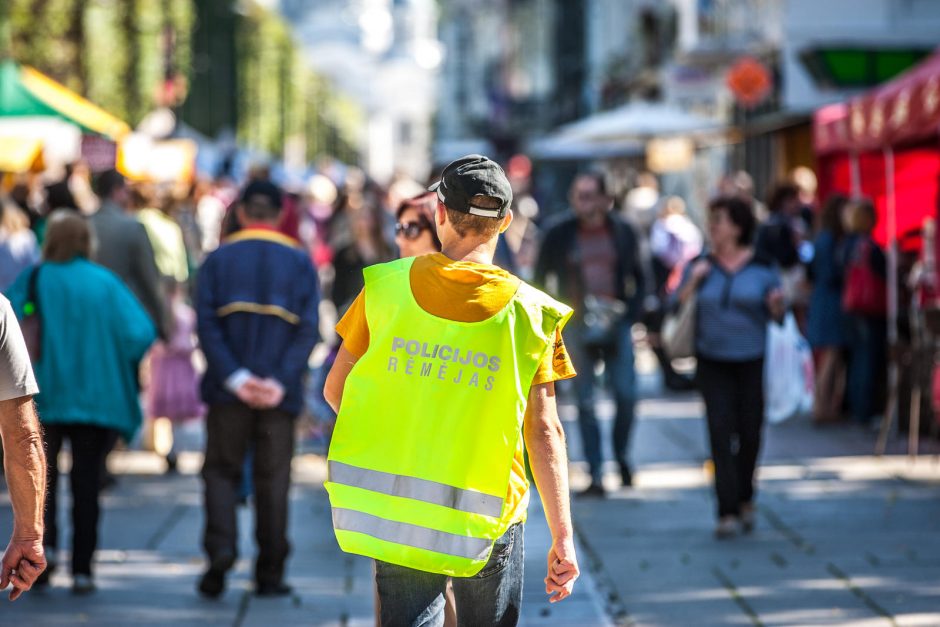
x=243 y=68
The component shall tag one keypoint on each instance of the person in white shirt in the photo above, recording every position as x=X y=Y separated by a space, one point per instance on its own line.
x=23 y=456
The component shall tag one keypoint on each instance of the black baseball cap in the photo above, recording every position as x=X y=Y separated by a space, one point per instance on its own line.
x=470 y=176
x=266 y=189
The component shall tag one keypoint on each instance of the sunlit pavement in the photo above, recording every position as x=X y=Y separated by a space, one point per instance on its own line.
x=842 y=538
x=150 y=560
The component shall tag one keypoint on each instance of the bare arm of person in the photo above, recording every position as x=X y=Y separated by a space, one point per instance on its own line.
x=336 y=379
x=545 y=441
x=25 y=467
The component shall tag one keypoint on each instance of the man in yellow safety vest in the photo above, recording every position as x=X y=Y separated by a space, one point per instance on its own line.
x=445 y=375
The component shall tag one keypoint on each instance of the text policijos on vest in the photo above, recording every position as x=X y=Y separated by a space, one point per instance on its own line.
x=442 y=362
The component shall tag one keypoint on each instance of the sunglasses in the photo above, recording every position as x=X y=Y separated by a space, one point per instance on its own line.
x=410 y=230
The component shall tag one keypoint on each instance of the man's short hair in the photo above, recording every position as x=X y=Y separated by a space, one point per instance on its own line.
x=259 y=208
x=108 y=183
x=467 y=224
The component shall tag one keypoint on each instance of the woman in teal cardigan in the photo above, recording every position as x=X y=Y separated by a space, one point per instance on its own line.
x=94 y=333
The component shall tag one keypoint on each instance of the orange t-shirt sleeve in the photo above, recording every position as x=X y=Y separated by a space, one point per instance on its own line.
x=556 y=365
x=353 y=327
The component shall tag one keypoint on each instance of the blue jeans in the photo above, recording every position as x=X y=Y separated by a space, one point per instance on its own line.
x=620 y=373
x=414 y=598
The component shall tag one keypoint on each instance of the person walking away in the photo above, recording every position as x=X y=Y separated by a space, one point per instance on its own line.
x=865 y=274
x=674 y=242
x=18 y=247
x=591 y=259
x=827 y=322
x=94 y=334
x=738 y=293
x=24 y=460
x=153 y=209
x=489 y=348
x=256 y=311
x=122 y=246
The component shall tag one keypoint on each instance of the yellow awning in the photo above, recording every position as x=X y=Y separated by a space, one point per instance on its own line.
x=18 y=154
x=71 y=105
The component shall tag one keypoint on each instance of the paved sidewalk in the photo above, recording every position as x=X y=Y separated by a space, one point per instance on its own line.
x=843 y=537
x=150 y=560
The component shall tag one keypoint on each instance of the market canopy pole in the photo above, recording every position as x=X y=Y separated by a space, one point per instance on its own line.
x=891 y=407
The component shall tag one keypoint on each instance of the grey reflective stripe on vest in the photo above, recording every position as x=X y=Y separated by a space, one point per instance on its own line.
x=418 y=489
x=411 y=535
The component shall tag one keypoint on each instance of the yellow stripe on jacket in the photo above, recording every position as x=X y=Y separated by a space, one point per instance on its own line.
x=257 y=308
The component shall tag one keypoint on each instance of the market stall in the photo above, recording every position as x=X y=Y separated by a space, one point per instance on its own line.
x=34 y=107
x=885 y=145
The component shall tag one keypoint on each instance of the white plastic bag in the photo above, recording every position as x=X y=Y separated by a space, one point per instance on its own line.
x=789 y=376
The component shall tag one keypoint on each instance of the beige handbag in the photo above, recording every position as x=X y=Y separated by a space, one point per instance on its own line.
x=678 y=333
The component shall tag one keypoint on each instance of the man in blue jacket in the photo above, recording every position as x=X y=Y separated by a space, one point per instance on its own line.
x=257 y=300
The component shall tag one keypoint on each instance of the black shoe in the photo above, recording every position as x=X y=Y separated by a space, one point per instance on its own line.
x=279 y=589
x=107 y=481
x=212 y=584
x=679 y=383
x=626 y=476
x=595 y=490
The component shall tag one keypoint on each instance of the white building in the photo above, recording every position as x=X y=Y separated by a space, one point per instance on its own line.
x=385 y=55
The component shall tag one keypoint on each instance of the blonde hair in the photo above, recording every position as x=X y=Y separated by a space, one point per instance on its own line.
x=12 y=218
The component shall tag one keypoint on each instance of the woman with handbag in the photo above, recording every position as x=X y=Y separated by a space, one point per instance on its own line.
x=865 y=303
x=736 y=294
x=93 y=332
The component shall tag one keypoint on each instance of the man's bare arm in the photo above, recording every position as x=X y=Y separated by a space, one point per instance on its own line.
x=336 y=379
x=545 y=441
x=24 y=462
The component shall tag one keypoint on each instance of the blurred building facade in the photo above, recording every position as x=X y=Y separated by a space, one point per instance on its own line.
x=384 y=55
x=517 y=69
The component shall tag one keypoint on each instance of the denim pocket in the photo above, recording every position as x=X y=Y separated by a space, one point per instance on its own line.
x=501 y=554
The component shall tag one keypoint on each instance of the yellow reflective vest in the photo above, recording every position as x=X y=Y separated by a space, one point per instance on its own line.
x=431 y=414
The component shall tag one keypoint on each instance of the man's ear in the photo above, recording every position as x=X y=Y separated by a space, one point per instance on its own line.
x=240 y=216
x=440 y=213
x=507 y=220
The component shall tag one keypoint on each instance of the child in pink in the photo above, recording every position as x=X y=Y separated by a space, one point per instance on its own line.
x=174 y=384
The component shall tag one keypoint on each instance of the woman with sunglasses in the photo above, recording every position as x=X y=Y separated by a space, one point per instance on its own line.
x=414 y=231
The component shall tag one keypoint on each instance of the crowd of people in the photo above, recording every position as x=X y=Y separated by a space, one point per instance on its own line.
x=118 y=290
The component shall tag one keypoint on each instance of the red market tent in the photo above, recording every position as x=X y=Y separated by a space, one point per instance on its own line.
x=885 y=144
